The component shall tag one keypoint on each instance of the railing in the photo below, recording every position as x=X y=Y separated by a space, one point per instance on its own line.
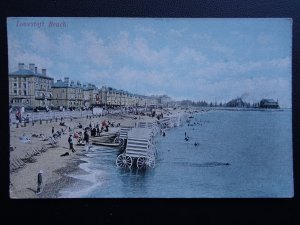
x=37 y=116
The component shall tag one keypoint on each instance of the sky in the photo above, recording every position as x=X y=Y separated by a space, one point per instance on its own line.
x=185 y=58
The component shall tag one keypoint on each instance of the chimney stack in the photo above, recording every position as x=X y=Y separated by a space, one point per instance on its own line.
x=44 y=72
x=31 y=67
x=35 y=70
x=21 y=66
x=66 y=80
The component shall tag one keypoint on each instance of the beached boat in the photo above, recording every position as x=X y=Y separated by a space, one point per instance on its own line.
x=110 y=138
x=108 y=144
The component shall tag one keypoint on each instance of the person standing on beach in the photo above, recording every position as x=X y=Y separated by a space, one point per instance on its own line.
x=86 y=136
x=71 y=143
x=52 y=130
x=98 y=131
x=86 y=139
x=39 y=182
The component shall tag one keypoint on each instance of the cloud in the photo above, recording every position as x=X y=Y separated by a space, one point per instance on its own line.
x=281 y=62
x=264 y=39
x=224 y=50
x=235 y=69
x=177 y=32
x=137 y=61
x=17 y=53
x=98 y=77
x=40 y=42
x=67 y=47
x=131 y=77
x=141 y=52
x=146 y=30
x=96 y=50
x=136 y=50
x=121 y=43
x=190 y=55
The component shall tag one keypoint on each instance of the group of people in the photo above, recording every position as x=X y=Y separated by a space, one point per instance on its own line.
x=84 y=140
x=81 y=140
x=186 y=137
x=96 y=131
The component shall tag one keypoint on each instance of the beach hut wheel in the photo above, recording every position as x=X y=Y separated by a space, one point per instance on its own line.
x=124 y=161
x=141 y=162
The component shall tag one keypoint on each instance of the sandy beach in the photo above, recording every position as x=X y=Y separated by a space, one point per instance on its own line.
x=23 y=181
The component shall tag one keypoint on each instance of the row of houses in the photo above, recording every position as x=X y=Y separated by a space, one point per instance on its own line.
x=33 y=89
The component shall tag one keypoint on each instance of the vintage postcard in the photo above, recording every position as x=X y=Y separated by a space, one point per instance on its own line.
x=150 y=107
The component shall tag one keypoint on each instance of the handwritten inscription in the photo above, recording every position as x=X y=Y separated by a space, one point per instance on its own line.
x=41 y=24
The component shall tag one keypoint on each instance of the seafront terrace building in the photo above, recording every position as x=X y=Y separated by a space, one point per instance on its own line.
x=90 y=95
x=31 y=89
x=163 y=100
x=67 y=94
x=28 y=88
x=112 y=97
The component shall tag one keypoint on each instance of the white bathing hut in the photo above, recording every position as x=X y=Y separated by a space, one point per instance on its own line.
x=169 y=121
x=139 y=149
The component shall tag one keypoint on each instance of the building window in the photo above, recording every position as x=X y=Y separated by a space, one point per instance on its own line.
x=24 y=92
x=20 y=92
x=15 y=92
x=24 y=85
x=15 y=84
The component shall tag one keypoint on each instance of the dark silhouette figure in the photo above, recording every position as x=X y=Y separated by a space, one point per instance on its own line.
x=86 y=136
x=39 y=182
x=71 y=143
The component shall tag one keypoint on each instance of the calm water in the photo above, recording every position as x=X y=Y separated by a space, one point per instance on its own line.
x=257 y=145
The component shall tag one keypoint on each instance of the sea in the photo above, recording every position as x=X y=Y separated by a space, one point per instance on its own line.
x=228 y=154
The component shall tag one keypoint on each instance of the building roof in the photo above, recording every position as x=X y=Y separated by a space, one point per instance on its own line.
x=89 y=87
x=26 y=72
x=62 y=84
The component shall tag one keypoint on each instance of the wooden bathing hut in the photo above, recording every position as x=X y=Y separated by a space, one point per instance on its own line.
x=139 y=151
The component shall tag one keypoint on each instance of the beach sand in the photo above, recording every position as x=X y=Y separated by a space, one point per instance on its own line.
x=23 y=182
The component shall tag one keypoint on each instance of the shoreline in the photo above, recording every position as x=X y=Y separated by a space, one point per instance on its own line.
x=51 y=190
x=23 y=182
